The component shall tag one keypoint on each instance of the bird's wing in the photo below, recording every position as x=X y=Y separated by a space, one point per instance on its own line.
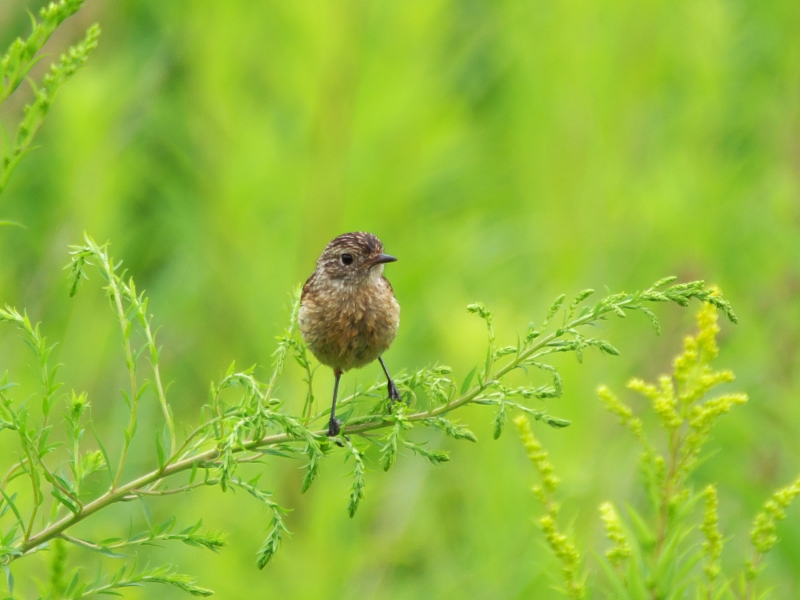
x=307 y=286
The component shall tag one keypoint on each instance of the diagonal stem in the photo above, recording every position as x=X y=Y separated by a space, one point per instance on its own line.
x=119 y=492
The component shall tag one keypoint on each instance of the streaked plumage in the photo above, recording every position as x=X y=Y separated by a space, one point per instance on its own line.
x=348 y=313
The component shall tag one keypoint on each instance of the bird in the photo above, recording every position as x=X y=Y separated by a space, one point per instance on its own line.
x=348 y=314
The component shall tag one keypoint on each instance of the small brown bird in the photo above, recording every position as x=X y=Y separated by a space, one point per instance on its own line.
x=348 y=314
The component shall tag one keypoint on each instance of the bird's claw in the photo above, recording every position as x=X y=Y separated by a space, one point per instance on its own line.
x=394 y=395
x=334 y=427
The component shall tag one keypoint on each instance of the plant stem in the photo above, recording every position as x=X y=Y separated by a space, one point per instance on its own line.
x=173 y=466
x=36 y=492
x=124 y=324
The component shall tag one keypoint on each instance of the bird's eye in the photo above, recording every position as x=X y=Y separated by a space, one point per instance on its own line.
x=347 y=259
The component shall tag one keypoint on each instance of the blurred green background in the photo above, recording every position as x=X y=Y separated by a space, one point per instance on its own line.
x=506 y=152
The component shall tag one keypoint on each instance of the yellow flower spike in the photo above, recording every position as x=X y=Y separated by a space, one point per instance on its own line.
x=620 y=549
x=616 y=407
x=663 y=401
x=667 y=387
x=538 y=455
x=704 y=416
x=712 y=547
x=715 y=378
x=666 y=403
x=560 y=544
x=645 y=389
x=763 y=532
x=566 y=552
x=707 y=337
x=684 y=363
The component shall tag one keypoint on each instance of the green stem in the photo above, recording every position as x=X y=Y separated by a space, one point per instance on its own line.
x=119 y=492
x=141 y=311
x=162 y=397
x=36 y=492
x=129 y=359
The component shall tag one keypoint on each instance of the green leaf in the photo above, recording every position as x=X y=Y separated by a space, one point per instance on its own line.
x=100 y=549
x=677 y=592
x=456 y=432
x=435 y=457
x=645 y=535
x=636 y=582
x=555 y=422
x=605 y=347
x=578 y=299
x=104 y=453
x=687 y=562
x=613 y=578
x=554 y=309
x=359 y=482
x=650 y=315
x=71 y=506
x=724 y=592
x=468 y=380
x=311 y=474
x=662 y=572
x=162 y=457
x=13 y=506
x=664 y=281
x=499 y=421
x=9 y=578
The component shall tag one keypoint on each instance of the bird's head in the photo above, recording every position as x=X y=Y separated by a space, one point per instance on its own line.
x=353 y=259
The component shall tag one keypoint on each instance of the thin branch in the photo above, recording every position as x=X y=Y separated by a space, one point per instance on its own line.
x=377 y=422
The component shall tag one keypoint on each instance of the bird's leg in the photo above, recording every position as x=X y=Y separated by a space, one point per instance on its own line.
x=394 y=395
x=335 y=425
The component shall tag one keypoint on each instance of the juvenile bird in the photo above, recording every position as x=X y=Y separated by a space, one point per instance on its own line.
x=348 y=313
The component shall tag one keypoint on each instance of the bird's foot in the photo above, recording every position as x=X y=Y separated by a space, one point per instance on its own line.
x=334 y=427
x=394 y=395
x=335 y=431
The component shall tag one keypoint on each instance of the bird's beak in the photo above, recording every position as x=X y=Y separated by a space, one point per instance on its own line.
x=382 y=259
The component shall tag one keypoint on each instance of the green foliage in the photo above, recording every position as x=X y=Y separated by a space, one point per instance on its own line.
x=359 y=483
x=244 y=422
x=57 y=571
x=131 y=576
x=504 y=151
x=658 y=554
x=18 y=60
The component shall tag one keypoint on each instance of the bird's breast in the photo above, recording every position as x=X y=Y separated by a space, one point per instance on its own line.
x=349 y=328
